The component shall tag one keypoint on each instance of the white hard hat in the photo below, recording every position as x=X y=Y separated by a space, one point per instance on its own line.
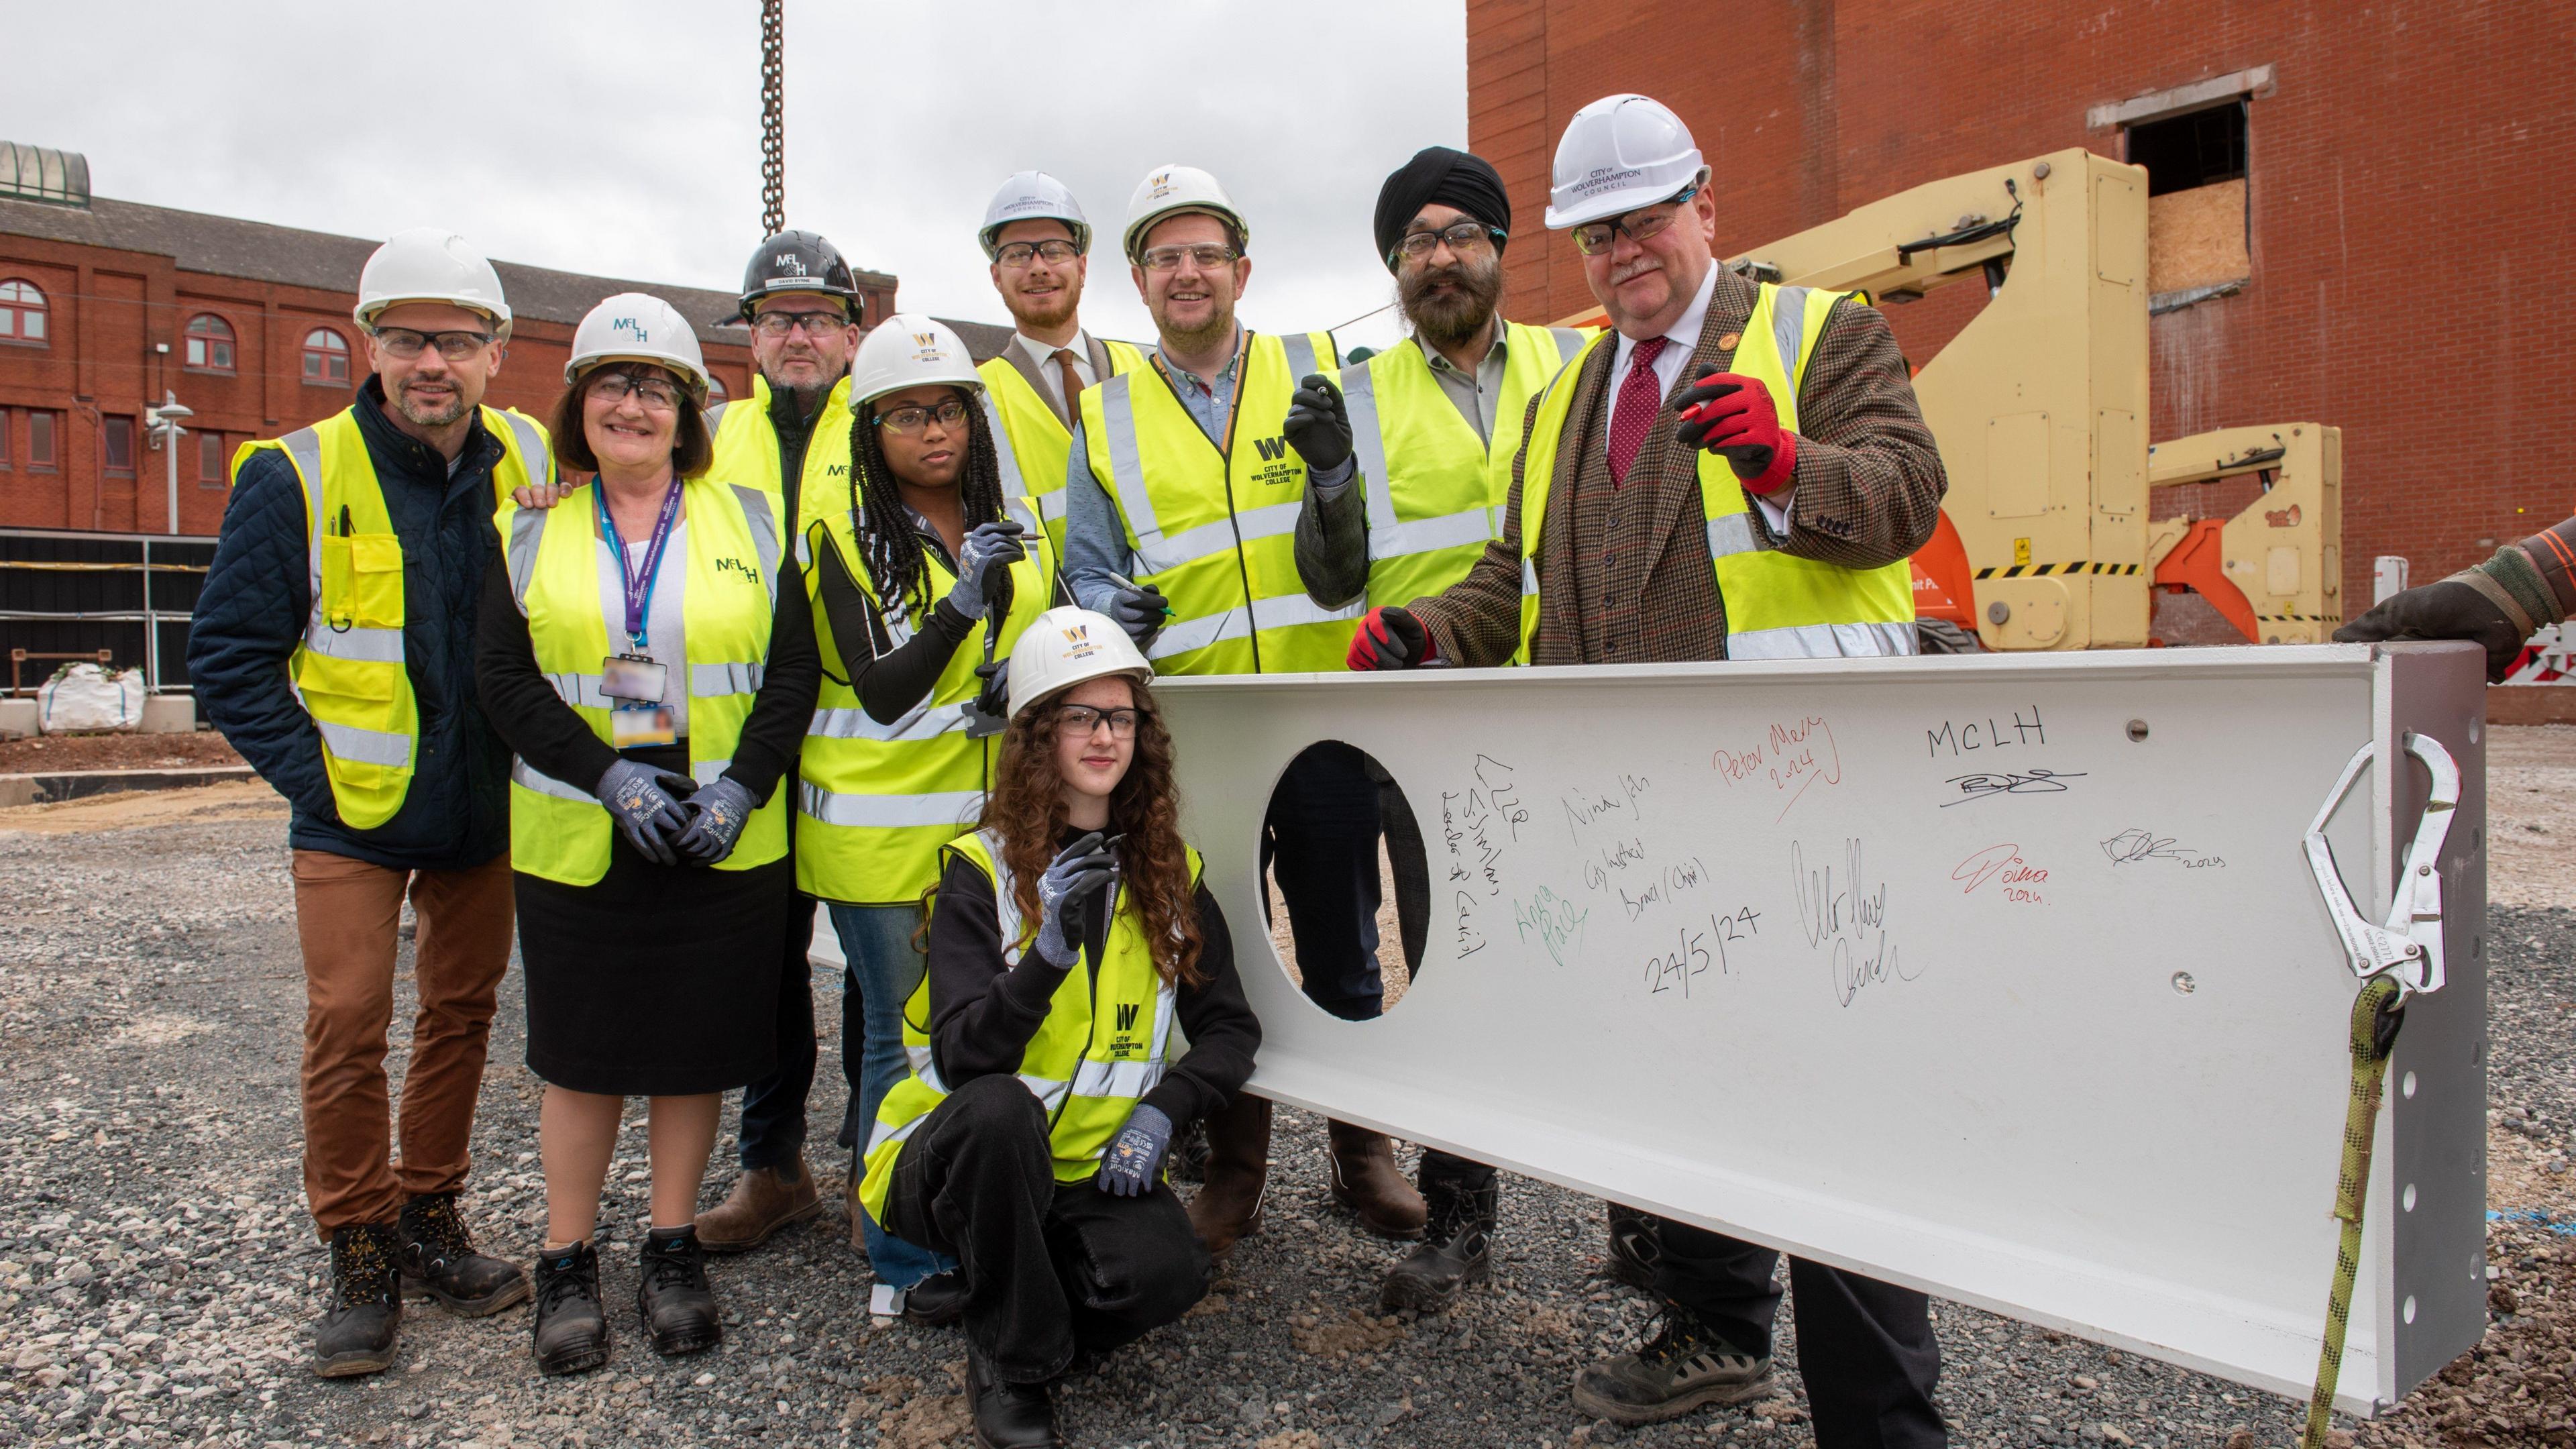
x=1033 y=196
x=425 y=264
x=907 y=350
x=1172 y=190
x=1619 y=153
x=634 y=327
x=1065 y=646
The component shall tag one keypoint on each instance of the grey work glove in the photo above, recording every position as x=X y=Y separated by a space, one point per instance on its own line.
x=1131 y=1164
x=2450 y=608
x=988 y=549
x=1078 y=870
x=989 y=712
x=649 y=811
x=1142 y=612
x=717 y=814
x=1319 y=425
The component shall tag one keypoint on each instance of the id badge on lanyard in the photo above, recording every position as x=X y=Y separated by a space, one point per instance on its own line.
x=636 y=683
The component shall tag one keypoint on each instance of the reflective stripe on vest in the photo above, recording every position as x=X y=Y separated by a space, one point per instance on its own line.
x=1034 y=443
x=1435 y=490
x=876 y=801
x=1777 y=606
x=1212 y=522
x=558 y=831
x=1089 y=1062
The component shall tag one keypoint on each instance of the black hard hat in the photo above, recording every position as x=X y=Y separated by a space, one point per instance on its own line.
x=798 y=261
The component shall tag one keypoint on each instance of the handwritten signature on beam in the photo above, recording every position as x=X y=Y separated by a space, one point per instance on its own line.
x=2006 y=782
x=2135 y=845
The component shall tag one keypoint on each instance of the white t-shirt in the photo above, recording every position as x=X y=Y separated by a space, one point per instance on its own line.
x=665 y=641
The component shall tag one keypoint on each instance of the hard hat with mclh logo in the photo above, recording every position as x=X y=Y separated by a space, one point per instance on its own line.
x=1174 y=190
x=1033 y=196
x=798 y=261
x=634 y=327
x=425 y=264
x=1065 y=646
x=910 y=349
x=1619 y=153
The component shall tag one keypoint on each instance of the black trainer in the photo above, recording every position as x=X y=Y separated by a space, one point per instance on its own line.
x=1682 y=1367
x=938 y=1300
x=1636 y=1249
x=356 y=1334
x=1009 y=1416
x=572 y=1324
x=678 y=1308
x=1456 y=1248
x=439 y=1262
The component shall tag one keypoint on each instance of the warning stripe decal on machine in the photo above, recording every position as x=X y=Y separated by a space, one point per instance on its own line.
x=2033 y=571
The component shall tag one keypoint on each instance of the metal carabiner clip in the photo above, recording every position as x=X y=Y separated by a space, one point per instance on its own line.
x=2409 y=945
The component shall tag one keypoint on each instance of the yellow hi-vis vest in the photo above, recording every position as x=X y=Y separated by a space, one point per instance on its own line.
x=746 y=451
x=1099 y=1051
x=1213 y=523
x=1435 y=490
x=349 y=668
x=1034 y=443
x=1777 y=606
x=559 y=831
x=876 y=801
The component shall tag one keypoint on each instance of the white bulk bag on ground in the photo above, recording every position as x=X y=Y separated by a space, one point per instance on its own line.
x=86 y=697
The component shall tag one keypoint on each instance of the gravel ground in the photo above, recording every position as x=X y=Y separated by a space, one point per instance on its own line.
x=157 y=1277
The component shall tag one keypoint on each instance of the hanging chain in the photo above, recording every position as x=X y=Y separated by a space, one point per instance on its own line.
x=773 y=118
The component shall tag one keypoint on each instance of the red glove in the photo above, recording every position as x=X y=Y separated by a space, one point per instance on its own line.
x=1732 y=415
x=1390 y=639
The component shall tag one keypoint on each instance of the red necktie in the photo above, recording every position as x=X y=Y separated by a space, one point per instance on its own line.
x=1640 y=398
x=1072 y=384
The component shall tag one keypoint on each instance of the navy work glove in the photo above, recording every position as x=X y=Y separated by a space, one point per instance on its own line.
x=989 y=712
x=1130 y=1165
x=1733 y=416
x=649 y=812
x=1141 y=612
x=717 y=814
x=1078 y=870
x=989 y=547
x=1319 y=424
x=2450 y=608
x=1389 y=638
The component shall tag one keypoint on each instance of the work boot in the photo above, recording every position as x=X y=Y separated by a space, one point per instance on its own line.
x=1682 y=1367
x=677 y=1306
x=1456 y=1250
x=938 y=1300
x=571 y=1334
x=763 y=1200
x=1228 y=1206
x=1367 y=1181
x=438 y=1261
x=356 y=1334
x=1007 y=1415
x=1636 y=1250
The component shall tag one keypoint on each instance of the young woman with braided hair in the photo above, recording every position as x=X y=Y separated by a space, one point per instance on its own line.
x=934 y=566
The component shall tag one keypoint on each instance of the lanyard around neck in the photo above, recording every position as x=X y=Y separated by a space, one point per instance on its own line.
x=639 y=585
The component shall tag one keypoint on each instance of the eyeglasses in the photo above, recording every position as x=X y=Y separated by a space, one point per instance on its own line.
x=655 y=394
x=405 y=343
x=1463 y=237
x=1016 y=255
x=1593 y=238
x=774 y=325
x=1082 y=719
x=913 y=419
x=1209 y=258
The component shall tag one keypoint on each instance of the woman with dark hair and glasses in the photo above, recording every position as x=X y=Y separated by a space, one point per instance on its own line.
x=926 y=575
x=647 y=653
x=1068 y=936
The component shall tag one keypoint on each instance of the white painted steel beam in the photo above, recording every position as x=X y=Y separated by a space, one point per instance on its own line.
x=2003 y=977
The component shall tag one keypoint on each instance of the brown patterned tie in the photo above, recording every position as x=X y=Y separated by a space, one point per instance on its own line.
x=1072 y=384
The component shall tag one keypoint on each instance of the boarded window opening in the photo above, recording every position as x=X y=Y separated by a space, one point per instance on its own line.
x=2198 y=148
x=2197 y=238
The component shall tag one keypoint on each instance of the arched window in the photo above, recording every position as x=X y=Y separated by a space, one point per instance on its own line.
x=22 y=312
x=326 y=358
x=210 y=343
x=715 y=389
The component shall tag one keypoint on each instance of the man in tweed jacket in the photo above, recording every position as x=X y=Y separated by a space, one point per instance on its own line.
x=1625 y=574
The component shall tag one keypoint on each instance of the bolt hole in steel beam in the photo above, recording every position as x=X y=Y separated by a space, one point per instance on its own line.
x=1347 y=889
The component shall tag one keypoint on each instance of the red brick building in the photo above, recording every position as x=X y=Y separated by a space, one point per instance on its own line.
x=2401 y=175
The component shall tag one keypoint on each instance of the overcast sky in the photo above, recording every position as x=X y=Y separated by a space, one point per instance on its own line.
x=624 y=139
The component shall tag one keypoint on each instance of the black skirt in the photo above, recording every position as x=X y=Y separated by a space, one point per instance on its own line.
x=657 y=980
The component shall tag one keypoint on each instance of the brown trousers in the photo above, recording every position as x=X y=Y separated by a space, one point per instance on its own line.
x=346 y=913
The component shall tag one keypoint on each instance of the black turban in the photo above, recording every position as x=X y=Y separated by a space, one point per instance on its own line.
x=1446 y=177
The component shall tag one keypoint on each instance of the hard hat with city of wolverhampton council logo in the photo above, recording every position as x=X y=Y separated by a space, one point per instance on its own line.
x=798 y=261
x=1065 y=646
x=1032 y=196
x=1618 y=154
x=909 y=349
x=1173 y=190
x=633 y=327
x=425 y=264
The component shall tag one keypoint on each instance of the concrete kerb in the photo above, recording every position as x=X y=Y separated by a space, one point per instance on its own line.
x=60 y=785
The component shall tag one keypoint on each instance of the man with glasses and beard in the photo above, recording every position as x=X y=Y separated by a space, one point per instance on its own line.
x=334 y=646
x=1424 y=435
